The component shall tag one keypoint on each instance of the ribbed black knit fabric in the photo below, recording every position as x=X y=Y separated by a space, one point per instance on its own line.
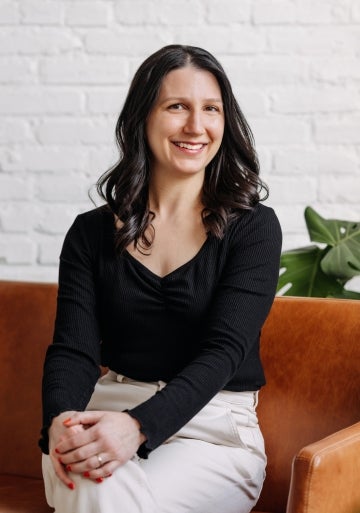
x=196 y=328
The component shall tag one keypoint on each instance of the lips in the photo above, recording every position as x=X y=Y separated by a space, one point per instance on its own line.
x=189 y=146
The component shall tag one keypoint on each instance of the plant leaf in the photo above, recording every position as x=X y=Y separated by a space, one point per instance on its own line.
x=343 y=259
x=301 y=272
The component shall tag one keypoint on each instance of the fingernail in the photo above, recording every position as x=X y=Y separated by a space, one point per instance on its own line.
x=57 y=451
x=67 y=421
x=71 y=486
x=86 y=474
x=60 y=461
x=109 y=475
x=99 y=480
x=68 y=468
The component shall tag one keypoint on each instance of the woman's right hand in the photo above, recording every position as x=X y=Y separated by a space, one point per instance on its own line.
x=57 y=433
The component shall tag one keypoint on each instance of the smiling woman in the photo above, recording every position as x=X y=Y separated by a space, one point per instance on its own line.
x=167 y=285
x=186 y=124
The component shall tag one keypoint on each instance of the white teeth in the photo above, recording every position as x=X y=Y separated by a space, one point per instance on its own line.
x=189 y=146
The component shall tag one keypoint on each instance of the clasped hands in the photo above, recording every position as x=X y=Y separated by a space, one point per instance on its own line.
x=76 y=439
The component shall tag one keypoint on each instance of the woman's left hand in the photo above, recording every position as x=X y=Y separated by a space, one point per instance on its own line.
x=108 y=441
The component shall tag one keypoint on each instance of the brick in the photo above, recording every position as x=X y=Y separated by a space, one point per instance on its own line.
x=291 y=218
x=314 y=161
x=75 y=131
x=14 y=188
x=17 y=216
x=295 y=190
x=87 y=14
x=49 y=250
x=10 y=159
x=17 y=249
x=340 y=189
x=15 y=70
x=263 y=71
x=188 y=14
x=32 y=272
x=66 y=188
x=85 y=70
x=100 y=160
x=324 y=40
x=320 y=12
x=340 y=210
x=128 y=12
x=29 y=41
x=301 y=100
x=336 y=69
x=276 y=130
x=334 y=131
x=41 y=13
x=275 y=12
x=55 y=219
x=355 y=12
x=252 y=103
x=122 y=42
x=295 y=240
x=9 y=13
x=12 y=131
x=51 y=159
x=230 y=11
x=106 y=101
x=224 y=40
x=27 y=101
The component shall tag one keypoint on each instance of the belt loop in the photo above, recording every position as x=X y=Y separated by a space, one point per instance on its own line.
x=120 y=378
x=256 y=398
x=161 y=384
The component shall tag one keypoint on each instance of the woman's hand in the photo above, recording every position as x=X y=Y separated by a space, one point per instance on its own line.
x=58 y=432
x=101 y=442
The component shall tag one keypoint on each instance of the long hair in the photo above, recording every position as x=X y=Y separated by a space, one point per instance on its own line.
x=231 y=184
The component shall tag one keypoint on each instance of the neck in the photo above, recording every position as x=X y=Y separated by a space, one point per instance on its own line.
x=172 y=197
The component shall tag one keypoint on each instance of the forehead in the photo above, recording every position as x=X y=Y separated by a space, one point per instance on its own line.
x=190 y=81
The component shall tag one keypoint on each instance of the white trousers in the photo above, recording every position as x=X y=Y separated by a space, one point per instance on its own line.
x=214 y=464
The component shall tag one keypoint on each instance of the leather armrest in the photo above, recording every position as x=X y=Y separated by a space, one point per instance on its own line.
x=326 y=475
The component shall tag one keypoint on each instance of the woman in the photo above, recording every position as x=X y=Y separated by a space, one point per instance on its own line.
x=168 y=286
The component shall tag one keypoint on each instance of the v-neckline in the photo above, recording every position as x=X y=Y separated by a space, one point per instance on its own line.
x=142 y=266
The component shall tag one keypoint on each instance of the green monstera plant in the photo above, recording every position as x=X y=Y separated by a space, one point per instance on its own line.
x=322 y=271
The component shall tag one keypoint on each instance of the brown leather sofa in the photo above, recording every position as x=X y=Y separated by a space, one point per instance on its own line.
x=309 y=410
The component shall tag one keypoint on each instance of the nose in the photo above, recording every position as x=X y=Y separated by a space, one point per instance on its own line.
x=194 y=123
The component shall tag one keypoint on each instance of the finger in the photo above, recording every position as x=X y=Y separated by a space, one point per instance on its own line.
x=82 y=459
x=73 y=439
x=84 y=417
x=61 y=473
x=104 y=472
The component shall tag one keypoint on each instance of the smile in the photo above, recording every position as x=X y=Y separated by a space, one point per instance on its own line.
x=190 y=146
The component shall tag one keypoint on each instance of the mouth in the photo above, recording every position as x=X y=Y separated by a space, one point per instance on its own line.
x=189 y=146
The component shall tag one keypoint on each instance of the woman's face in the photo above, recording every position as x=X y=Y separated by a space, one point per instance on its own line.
x=186 y=124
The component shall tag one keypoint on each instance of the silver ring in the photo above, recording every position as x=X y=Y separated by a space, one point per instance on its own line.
x=100 y=460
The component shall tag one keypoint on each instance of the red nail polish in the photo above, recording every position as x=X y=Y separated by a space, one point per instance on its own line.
x=71 y=486
x=60 y=461
x=99 y=480
x=86 y=474
x=66 y=421
x=68 y=468
x=109 y=475
x=57 y=451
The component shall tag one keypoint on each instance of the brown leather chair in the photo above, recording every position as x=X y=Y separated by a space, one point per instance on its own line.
x=309 y=409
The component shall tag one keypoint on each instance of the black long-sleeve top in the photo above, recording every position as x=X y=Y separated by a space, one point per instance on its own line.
x=197 y=328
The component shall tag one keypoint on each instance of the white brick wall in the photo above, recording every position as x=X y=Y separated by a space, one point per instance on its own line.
x=65 y=66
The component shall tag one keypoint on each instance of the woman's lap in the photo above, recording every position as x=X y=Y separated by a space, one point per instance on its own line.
x=215 y=463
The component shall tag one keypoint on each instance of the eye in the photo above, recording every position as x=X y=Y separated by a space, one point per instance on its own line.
x=212 y=108
x=176 y=106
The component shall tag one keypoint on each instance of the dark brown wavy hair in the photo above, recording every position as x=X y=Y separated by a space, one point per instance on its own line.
x=231 y=185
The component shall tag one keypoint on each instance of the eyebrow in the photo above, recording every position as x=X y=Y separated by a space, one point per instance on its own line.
x=184 y=99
